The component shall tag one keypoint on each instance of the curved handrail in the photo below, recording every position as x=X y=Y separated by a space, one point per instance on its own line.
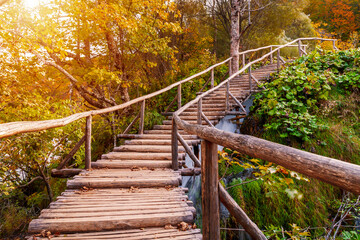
x=243 y=70
x=12 y=128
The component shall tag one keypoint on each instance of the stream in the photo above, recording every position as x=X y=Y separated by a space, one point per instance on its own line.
x=193 y=183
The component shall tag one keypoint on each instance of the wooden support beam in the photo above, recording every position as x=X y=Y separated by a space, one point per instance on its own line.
x=71 y=154
x=65 y=173
x=170 y=105
x=238 y=103
x=209 y=191
x=338 y=173
x=250 y=227
x=188 y=150
x=142 y=117
x=206 y=119
x=257 y=81
x=271 y=56
x=278 y=60
x=174 y=146
x=299 y=48
x=179 y=96
x=88 y=143
x=199 y=111
x=131 y=124
x=243 y=60
x=250 y=79
x=190 y=171
x=227 y=97
x=212 y=78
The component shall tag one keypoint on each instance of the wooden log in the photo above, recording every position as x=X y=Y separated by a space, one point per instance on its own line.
x=199 y=111
x=106 y=223
x=244 y=59
x=209 y=191
x=179 y=96
x=238 y=103
x=71 y=154
x=206 y=119
x=299 y=48
x=278 y=60
x=88 y=143
x=227 y=97
x=188 y=150
x=250 y=227
x=212 y=78
x=250 y=79
x=65 y=173
x=126 y=164
x=338 y=173
x=271 y=55
x=190 y=171
x=174 y=146
x=170 y=105
x=131 y=124
x=145 y=148
x=140 y=156
x=142 y=117
x=154 y=136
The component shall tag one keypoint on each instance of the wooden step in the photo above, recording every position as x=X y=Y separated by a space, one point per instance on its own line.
x=121 y=178
x=126 y=164
x=158 y=142
x=133 y=234
x=139 y=155
x=91 y=224
x=145 y=148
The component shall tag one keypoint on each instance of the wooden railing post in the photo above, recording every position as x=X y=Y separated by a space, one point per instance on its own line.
x=199 y=111
x=142 y=117
x=88 y=143
x=230 y=71
x=212 y=78
x=278 y=60
x=210 y=191
x=271 y=56
x=299 y=47
x=250 y=79
x=244 y=59
x=174 y=146
x=179 y=96
x=334 y=44
x=227 y=97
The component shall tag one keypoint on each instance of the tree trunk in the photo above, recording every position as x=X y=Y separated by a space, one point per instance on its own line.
x=235 y=36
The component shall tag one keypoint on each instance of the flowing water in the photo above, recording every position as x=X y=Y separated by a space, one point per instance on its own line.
x=193 y=183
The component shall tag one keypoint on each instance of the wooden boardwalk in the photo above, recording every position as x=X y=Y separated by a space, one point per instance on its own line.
x=132 y=192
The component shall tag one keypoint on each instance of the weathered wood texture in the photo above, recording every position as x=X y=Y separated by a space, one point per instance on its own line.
x=338 y=173
x=88 y=142
x=209 y=191
x=250 y=227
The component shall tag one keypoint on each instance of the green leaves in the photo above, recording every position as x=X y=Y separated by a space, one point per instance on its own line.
x=290 y=102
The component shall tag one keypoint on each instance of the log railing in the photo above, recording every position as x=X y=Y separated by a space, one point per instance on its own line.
x=335 y=172
x=209 y=153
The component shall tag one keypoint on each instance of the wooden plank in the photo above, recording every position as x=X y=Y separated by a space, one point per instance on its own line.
x=139 y=155
x=145 y=148
x=122 y=183
x=131 y=163
x=106 y=223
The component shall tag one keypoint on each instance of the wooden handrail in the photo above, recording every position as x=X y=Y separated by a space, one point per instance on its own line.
x=335 y=172
x=12 y=128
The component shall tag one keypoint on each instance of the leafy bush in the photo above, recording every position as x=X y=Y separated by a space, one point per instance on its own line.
x=290 y=102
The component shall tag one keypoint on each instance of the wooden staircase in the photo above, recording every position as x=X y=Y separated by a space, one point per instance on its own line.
x=132 y=192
